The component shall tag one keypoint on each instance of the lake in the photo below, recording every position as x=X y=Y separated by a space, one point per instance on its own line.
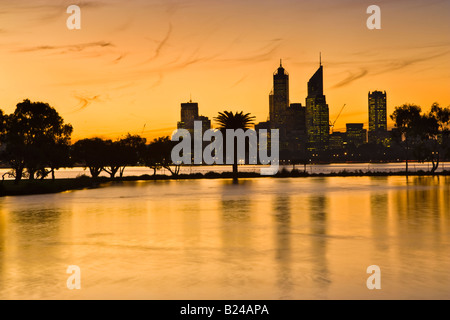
x=70 y=173
x=297 y=238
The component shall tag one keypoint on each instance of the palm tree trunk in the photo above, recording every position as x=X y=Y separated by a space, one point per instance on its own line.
x=235 y=164
x=407 y=156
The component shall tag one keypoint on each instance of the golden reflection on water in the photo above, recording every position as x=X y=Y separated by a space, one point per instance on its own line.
x=209 y=239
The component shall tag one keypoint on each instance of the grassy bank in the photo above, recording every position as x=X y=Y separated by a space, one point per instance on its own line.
x=26 y=187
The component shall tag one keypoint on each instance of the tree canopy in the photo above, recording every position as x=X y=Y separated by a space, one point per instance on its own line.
x=426 y=134
x=34 y=137
x=239 y=120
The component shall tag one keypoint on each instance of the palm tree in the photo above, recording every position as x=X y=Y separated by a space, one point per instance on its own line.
x=229 y=120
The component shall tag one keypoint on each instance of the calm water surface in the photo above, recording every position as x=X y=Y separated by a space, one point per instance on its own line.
x=209 y=239
x=70 y=173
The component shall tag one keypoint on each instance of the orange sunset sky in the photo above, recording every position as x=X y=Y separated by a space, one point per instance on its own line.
x=133 y=62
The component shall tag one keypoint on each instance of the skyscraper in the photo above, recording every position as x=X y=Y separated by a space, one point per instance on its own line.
x=279 y=97
x=317 y=115
x=288 y=118
x=377 y=117
x=189 y=114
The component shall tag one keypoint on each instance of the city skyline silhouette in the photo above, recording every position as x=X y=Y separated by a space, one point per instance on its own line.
x=227 y=156
x=130 y=66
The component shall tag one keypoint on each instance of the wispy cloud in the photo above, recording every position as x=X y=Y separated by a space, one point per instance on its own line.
x=162 y=43
x=263 y=54
x=351 y=77
x=84 y=102
x=374 y=66
x=239 y=81
x=119 y=58
x=399 y=64
x=68 y=48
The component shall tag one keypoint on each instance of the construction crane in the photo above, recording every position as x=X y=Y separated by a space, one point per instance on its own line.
x=340 y=112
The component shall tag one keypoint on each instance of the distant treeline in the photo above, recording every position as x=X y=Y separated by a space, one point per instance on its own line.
x=35 y=142
x=424 y=136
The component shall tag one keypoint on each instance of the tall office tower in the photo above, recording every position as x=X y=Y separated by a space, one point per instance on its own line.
x=377 y=117
x=317 y=115
x=279 y=97
x=189 y=113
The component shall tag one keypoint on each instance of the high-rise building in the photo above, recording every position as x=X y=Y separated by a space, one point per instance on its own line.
x=189 y=114
x=356 y=134
x=279 y=97
x=317 y=116
x=377 y=117
x=288 y=119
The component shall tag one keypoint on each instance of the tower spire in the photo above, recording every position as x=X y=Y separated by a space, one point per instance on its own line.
x=320 y=59
x=281 y=63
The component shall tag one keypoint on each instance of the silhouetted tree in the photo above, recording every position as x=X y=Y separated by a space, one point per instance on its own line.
x=133 y=149
x=122 y=153
x=2 y=122
x=112 y=157
x=407 y=119
x=2 y=132
x=434 y=131
x=158 y=154
x=92 y=154
x=442 y=116
x=151 y=156
x=229 y=120
x=57 y=156
x=425 y=134
x=32 y=133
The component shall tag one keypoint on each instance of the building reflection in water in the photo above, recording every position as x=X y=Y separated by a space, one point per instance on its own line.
x=282 y=216
x=262 y=239
x=318 y=208
x=236 y=234
x=420 y=219
x=193 y=255
x=379 y=213
x=2 y=244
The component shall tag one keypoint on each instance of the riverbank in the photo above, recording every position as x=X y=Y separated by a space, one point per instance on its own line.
x=27 y=187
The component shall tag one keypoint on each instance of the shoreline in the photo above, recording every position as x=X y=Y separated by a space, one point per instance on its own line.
x=48 y=186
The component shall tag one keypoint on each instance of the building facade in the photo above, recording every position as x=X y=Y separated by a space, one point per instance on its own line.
x=356 y=134
x=279 y=97
x=189 y=114
x=304 y=130
x=317 y=116
x=288 y=118
x=377 y=117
